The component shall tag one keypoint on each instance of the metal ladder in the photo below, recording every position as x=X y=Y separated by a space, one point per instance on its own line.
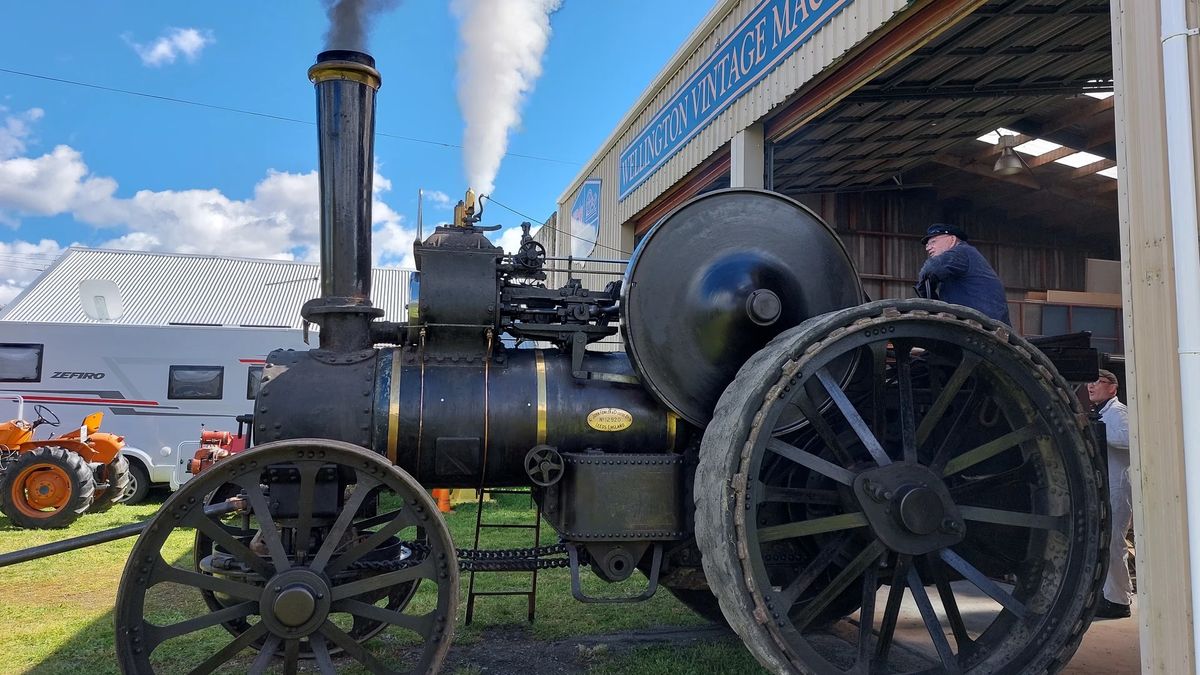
x=531 y=594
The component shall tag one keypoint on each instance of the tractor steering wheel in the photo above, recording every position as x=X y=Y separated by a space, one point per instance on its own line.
x=45 y=416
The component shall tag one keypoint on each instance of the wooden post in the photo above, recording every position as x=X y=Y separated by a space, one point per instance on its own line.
x=1148 y=288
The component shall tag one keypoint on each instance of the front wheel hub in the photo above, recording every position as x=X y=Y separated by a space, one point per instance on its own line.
x=909 y=508
x=295 y=603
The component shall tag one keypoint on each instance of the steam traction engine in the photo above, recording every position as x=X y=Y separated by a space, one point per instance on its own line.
x=769 y=448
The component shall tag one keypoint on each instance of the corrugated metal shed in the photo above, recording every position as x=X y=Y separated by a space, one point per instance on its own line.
x=172 y=288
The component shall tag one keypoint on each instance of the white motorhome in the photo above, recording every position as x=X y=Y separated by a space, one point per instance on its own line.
x=162 y=343
x=158 y=386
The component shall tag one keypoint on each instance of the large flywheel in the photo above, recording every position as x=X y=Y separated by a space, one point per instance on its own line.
x=362 y=551
x=945 y=498
x=726 y=272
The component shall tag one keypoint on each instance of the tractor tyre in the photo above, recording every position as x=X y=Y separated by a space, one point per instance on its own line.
x=139 y=483
x=120 y=484
x=46 y=488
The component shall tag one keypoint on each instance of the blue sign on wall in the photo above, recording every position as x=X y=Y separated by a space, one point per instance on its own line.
x=771 y=32
x=585 y=219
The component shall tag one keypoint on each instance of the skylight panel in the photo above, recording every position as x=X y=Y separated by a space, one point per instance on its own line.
x=1099 y=94
x=1037 y=147
x=1079 y=159
x=1110 y=172
x=993 y=137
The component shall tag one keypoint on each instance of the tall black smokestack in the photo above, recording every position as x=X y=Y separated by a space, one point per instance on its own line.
x=346 y=82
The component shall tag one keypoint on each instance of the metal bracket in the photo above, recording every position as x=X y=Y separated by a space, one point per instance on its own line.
x=577 y=588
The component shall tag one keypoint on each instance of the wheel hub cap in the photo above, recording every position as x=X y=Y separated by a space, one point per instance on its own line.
x=295 y=603
x=909 y=508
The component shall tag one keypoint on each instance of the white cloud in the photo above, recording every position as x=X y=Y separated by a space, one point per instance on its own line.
x=175 y=42
x=438 y=199
x=21 y=262
x=281 y=220
x=15 y=129
x=508 y=239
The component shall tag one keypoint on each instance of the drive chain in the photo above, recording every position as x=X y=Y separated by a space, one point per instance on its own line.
x=481 y=560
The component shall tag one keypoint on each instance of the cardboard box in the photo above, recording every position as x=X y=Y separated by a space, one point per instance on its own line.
x=1102 y=276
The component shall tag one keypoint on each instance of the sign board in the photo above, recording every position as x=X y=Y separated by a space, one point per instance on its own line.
x=769 y=34
x=585 y=219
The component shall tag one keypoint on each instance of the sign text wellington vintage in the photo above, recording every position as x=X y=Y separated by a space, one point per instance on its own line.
x=771 y=32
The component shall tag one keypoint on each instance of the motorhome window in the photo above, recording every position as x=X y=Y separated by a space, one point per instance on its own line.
x=196 y=382
x=253 y=380
x=20 y=362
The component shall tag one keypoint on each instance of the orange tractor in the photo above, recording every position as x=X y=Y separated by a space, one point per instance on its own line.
x=49 y=483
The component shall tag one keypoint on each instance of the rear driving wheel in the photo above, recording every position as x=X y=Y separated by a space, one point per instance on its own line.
x=46 y=488
x=937 y=454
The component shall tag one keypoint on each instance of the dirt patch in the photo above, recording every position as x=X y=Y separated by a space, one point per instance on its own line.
x=515 y=650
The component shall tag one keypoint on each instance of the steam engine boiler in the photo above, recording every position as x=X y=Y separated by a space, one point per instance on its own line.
x=768 y=446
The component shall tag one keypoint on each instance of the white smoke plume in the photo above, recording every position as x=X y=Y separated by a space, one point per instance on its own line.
x=349 y=21
x=501 y=59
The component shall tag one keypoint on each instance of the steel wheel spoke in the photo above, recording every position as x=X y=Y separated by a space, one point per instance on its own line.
x=989 y=587
x=421 y=625
x=851 y=414
x=291 y=655
x=951 y=438
x=810 y=461
x=990 y=449
x=345 y=518
x=946 y=592
x=868 y=557
x=308 y=488
x=267 y=527
x=222 y=536
x=805 y=528
x=819 y=564
x=157 y=635
x=879 y=352
x=891 y=612
x=784 y=495
x=369 y=544
x=866 y=616
x=1005 y=480
x=230 y=650
x=266 y=654
x=423 y=570
x=353 y=648
x=946 y=396
x=320 y=650
x=804 y=402
x=164 y=573
x=908 y=424
x=932 y=625
x=1014 y=518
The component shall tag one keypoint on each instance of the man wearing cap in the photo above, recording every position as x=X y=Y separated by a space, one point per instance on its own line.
x=1118 y=588
x=957 y=272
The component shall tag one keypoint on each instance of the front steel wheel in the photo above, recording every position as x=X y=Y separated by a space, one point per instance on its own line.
x=291 y=585
x=936 y=454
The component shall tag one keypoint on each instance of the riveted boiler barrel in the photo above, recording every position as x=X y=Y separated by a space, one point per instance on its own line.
x=460 y=424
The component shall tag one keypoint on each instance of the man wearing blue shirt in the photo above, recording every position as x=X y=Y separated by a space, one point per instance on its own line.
x=957 y=272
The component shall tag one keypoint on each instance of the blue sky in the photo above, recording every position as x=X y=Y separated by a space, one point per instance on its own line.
x=81 y=165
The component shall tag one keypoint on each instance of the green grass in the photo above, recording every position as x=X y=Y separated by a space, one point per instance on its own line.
x=56 y=614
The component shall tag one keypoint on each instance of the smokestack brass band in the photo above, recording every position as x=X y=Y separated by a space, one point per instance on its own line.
x=345 y=70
